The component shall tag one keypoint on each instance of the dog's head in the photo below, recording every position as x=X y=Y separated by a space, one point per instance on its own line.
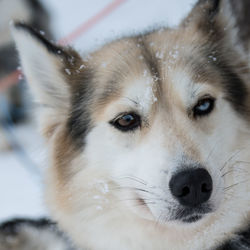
x=149 y=130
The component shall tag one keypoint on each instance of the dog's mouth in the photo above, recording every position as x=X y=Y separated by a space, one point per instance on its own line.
x=192 y=218
x=152 y=210
x=182 y=214
x=191 y=215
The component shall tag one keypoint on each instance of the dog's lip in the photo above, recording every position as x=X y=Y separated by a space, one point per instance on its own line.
x=190 y=215
x=192 y=218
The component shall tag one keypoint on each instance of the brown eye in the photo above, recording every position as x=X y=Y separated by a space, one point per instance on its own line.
x=204 y=106
x=127 y=122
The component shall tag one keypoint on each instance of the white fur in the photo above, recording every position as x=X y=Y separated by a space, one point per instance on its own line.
x=42 y=68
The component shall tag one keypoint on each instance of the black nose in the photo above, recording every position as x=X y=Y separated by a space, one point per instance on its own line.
x=191 y=187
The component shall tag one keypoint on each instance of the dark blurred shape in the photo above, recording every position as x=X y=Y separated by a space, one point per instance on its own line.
x=30 y=234
x=241 y=9
x=13 y=101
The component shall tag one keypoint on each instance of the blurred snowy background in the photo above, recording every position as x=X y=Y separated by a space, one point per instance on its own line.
x=22 y=167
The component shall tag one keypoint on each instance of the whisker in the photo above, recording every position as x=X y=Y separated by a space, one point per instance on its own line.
x=244 y=162
x=159 y=219
x=235 y=184
x=212 y=150
x=134 y=178
x=228 y=172
x=136 y=189
x=239 y=170
x=136 y=199
x=230 y=159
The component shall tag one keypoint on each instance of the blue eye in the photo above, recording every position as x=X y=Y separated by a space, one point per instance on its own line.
x=204 y=106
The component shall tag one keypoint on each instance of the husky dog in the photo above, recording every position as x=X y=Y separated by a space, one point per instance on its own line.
x=148 y=136
x=23 y=234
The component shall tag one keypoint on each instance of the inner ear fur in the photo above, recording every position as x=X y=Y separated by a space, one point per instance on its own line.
x=51 y=71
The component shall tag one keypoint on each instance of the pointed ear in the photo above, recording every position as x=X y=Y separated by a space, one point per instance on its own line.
x=48 y=69
x=214 y=18
x=205 y=10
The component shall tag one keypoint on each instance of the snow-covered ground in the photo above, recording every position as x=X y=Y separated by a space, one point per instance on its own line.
x=20 y=187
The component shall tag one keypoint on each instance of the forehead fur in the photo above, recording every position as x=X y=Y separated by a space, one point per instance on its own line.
x=200 y=50
x=159 y=54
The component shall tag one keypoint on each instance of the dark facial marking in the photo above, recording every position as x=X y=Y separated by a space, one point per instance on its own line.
x=235 y=88
x=220 y=71
x=79 y=122
x=150 y=59
x=111 y=86
x=184 y=213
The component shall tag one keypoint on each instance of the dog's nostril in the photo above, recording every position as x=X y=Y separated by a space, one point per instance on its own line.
x=185 y=191
x=205 y=188
x=191 y=187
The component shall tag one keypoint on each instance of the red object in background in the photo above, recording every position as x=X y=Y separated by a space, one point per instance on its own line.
x=10 y=80
x=13 y=77
x=91 y=22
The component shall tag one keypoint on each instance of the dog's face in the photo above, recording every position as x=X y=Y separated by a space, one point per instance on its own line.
x=150 y=132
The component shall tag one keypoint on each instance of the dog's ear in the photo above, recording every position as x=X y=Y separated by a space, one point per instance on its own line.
x=215 y=19
x=48 y=69
x=205 y=10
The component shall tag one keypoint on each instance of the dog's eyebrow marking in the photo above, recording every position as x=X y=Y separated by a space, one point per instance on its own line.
x=79 y=123
x=130 y=99
x=150 y=60
x=137 y=104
